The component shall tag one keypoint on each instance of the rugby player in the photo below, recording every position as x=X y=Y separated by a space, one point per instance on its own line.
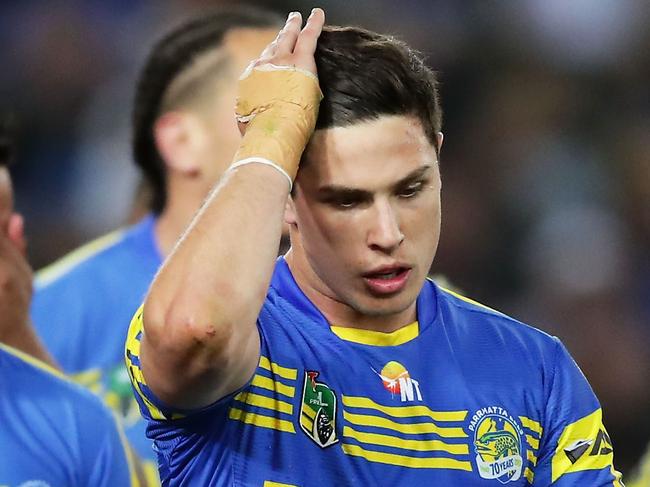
x=340 y=363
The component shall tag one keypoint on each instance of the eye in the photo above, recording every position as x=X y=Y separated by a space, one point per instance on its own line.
x=411 y=190
x=346 y=203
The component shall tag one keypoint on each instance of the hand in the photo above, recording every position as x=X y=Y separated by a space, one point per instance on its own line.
x=15 y=278
x=295 y=47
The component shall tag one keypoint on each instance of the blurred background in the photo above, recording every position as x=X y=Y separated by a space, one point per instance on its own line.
x=546 y=162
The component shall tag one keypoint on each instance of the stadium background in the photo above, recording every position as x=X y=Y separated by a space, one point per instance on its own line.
x=546 y=162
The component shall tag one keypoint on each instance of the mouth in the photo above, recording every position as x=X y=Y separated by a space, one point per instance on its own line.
x=387 y=280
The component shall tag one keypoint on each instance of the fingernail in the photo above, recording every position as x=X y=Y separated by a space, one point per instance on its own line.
x=292 y=15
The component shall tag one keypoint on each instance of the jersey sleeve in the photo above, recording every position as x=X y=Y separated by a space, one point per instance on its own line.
x=575 y=449
x=150 y=407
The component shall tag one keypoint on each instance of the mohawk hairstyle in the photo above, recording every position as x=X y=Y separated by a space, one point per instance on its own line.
x=169 y=58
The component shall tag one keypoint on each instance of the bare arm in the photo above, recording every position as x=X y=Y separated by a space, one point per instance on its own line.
x=200 y=338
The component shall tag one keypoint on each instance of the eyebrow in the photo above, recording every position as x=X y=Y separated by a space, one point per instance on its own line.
x=347 y=191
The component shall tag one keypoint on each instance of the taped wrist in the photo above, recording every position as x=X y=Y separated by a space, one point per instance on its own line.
x=280 y=104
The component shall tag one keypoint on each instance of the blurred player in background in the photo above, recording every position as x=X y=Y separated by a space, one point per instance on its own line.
x=84 y=302
x=52 y=432
x=340 y=363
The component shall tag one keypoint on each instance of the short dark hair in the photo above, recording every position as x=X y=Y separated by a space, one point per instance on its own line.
x=364 y=75
x=7 y=138
x=170 y=57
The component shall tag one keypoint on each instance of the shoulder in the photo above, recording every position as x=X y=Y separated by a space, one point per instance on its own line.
x=43 y=384
x=482 y=328
x=99 y=255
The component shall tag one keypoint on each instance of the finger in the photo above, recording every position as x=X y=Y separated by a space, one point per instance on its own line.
x=16 y=232
x=288 y=36
x=306 y=44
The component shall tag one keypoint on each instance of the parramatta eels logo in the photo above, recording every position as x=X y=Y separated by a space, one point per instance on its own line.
x=497 y=443
x=318 y=411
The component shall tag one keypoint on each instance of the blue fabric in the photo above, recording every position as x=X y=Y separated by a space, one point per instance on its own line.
x=83 y=315
x=475 y=399
x=53 y=432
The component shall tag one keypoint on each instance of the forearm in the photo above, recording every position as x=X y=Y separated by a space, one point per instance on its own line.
x=220 y=270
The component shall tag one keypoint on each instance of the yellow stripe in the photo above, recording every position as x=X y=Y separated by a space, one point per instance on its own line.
x=272 y=385
x=309 y=412
x=34 y=361
x=268 y=483
x=405 y=411
x=531 y=457
x=261 y=420
x=533 y=442
x=413 y=428
x=128 y=453
x=151 y=473
x=377 y=338
x=468 y=300
x=283 y=372
x=531 y=424
x=306 y=422
x=586 y=428
x=530 y=476
x=53 y=271
x=415 y=445
x=264 y=402
x=405 y=461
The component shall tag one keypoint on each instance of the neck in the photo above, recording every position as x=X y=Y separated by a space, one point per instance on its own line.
x=178 y=213
x=336 y=311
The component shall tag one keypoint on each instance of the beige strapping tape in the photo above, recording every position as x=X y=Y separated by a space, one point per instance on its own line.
x=280 y=104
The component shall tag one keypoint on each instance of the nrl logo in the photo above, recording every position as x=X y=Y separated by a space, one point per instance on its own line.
x=318 y=411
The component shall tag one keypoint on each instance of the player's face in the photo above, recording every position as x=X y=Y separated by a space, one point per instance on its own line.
x=366 y=219
x=221 y=137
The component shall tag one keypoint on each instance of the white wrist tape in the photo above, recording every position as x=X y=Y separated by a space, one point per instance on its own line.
x=261 y=160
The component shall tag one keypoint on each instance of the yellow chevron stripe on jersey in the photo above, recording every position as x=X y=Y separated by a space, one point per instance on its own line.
x=411 y=428
x=268 y=483
x=404 y=444
x=264 y=402
x=531 y=457
x=532 y=442
x=598 y=455
x=261 y=420
x=273 y=385
x=137 y=378
x=532 y=425
x=378 y=338
x=529 y=474
x=403 y=411
x=52 y=272
x=283 y=372
x=404 y=460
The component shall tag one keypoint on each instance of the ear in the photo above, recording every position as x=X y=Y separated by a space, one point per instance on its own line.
x=290 y=212
x=177 y=137
x=440 y=138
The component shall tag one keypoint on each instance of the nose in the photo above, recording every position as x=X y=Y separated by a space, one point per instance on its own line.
x=385 y=233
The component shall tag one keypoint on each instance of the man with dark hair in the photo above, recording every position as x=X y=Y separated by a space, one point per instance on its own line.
x=53 y=431
x=341 y=364
x=187 y=88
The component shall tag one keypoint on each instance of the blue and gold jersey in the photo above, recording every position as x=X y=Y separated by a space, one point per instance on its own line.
x=464 y=396
x=53 y=433
x=80 y=309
